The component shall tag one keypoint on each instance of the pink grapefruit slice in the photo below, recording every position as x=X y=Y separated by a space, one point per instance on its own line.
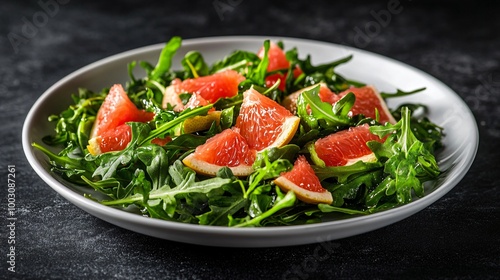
x=264 y=123
x=346 y=147
x=210 y=88
x=304 y=183
x=110 y=131
x=227 y=148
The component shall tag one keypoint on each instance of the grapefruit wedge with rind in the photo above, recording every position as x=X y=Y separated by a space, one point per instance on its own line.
x=227 y=148
x=110 y=131
x=264 y=123
x=304 y=183
x=211 y=88
x=346 y=147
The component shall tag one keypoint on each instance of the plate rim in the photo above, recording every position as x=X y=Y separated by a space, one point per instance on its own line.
x=116 y=216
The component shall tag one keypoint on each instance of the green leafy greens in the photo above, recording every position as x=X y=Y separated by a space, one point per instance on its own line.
x=152 y=179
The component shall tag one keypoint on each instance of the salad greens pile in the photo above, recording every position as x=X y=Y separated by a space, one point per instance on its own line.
x=153 y=179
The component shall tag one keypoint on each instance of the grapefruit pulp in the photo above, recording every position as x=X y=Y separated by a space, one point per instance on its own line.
x=368 y=100
x=277 y=61
x=347 y=146
x=276 y=56
x=110 y=131
x=304 y=183
x=264 y=123
x=227 y=148
x=210 y=88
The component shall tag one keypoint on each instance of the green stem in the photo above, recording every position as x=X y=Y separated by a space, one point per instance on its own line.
x=171 y=124
x=234 y=66
x=62 y=161
x=287 y=201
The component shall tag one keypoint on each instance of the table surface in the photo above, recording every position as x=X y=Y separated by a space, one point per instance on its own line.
x=457 y=42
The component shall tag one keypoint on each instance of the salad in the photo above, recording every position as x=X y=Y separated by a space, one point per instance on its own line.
x=261 y=138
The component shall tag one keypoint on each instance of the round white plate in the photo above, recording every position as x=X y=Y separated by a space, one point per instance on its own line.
x=446 y=109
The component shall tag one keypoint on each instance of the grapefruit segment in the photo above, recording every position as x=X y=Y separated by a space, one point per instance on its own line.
x=264 y=123
x=110 y=131
x=277 y=61
x=304 y=183
x=196 y=100
x=347 y=146
x=161 y=141
x=210 y=88
x=227 y=148
x=367 y=100
x=274 y=78
x=276 y=56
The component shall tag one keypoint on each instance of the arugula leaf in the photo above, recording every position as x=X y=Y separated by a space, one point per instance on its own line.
x=111 y=161
x=333 y=115
x=164 y=128
x=325 y=208
x=287 y=152
x=156 y=160
x=258 y=75
x=225 y=103
x=259 y=204
x=342 y=173
x=425 y=130
x=194 y=64
x=408 y=162
x=165 y=60
x=350 y=189
x=227 y=118
x=282 y=202
x=400 y=93
x=184 y=182
x=110 y=187
x=73 y=124
x=222 y=207
x=308 y=68
x=238 y=60
x=264 y=170
x=69 y=162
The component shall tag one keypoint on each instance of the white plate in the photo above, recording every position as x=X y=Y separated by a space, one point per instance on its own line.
x=446 y=109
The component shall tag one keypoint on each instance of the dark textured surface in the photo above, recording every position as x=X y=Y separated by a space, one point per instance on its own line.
x=457 y=237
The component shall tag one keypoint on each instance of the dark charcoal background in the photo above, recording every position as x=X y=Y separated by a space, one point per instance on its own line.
x=455 y=41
